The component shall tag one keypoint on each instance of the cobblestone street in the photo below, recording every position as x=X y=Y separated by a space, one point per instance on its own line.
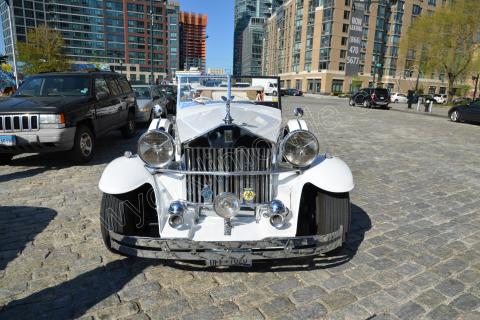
x=413 y=253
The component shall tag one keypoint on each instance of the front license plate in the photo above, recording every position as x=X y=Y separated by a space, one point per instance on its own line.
x=7 y=141
x=229 y=262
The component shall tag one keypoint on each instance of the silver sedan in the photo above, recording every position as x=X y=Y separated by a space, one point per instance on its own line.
x=147 y=97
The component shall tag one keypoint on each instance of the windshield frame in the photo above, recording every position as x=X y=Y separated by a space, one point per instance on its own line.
x=44 y=77
x=229 y=87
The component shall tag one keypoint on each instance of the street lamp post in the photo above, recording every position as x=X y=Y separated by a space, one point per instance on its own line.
x=152 y=81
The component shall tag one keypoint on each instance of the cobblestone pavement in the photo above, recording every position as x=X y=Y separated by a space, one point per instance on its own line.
x=414 y=252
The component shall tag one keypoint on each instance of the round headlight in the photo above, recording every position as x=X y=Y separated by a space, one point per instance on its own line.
x=226 y=205
x=156 y=148
x=300 y=148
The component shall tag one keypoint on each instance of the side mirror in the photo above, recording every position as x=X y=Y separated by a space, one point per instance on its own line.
x=102 y=96
x=158 y=111
x=298 y=112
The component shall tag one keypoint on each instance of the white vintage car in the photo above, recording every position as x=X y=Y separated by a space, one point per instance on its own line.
x=225 y=181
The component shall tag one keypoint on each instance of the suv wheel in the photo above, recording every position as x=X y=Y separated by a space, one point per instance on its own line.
x=129 y=129
x=5 y=158
x=84 y=145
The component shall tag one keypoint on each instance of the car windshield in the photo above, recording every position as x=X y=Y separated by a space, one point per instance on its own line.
x=50 y=86
x=204 y=90
x=142 y=92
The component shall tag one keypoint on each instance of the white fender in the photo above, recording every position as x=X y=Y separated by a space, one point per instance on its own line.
x=125 y=174
x=329 y=174
x=297 y=124
x=164 y=123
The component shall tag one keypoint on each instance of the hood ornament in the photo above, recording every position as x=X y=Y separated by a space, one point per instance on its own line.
x=228 y=117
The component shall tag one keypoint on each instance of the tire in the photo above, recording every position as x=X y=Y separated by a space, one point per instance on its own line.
x=130 y=128
x=323 y=212
x=5 y=159
x=83 y=146
x=367 y=104
x=455 y=116
x=351 y=103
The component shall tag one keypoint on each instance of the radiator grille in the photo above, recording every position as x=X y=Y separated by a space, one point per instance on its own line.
x=228 y=160
x=18 y=122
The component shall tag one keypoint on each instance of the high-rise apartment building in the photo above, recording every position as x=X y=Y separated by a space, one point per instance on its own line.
x=193 y=41
x=306 y=45
x=245 y=10
x=173 y=16
x=115 y=32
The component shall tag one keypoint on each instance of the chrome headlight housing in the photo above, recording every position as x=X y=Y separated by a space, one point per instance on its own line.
x=156 y=148
x=300 y=148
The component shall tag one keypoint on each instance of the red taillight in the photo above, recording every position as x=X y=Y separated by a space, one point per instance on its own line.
x=373 y=96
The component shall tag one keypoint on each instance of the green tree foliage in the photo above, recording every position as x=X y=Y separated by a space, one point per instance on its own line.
x=447 y=41
x=43 y=51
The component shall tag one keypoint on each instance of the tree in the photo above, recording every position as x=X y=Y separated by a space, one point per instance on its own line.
x=43 y=51
x=446 y=41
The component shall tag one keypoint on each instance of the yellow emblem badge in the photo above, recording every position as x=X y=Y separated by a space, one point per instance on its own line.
x=248 y=194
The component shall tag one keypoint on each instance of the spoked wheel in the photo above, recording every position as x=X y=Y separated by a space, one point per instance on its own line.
x=84 y=145
x=455 y=116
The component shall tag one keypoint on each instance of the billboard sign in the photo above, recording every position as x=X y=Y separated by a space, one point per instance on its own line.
x=355 y=33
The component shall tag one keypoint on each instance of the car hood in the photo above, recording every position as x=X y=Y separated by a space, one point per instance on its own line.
x=260 y=120
x=38 y=104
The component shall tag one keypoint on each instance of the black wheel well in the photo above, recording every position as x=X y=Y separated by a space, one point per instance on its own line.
x=141 y=218
x=88 y=123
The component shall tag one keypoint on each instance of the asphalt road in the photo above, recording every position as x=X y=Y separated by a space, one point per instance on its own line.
x=414 y=252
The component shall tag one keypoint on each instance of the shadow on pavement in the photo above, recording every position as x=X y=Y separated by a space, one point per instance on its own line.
x=18 y=226
x=73 y=298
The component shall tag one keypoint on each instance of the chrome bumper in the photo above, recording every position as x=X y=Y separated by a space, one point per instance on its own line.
x=182 y=249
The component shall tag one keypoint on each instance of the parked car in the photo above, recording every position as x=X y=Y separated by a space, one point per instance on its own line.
x=440 y=98
x=462 y=100
x=227 y=183
x=293 y=92
x=398 y=98
x=147 y=97
x=65 y=111
x=370 y=97
x=466 y=113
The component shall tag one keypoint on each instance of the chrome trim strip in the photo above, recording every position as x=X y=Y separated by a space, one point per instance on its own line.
x=224 y=174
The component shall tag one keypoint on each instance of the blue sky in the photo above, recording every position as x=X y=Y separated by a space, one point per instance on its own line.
x=219 y=30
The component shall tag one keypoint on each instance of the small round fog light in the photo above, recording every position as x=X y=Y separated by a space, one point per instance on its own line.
x=226 y=205
x=176 y=211
x=277 y=220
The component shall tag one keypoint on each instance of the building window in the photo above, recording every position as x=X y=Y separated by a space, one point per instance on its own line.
x=341 y=66
x=346 y=15
x=298 y=84
x=323 y=65
x=347 y=2
x=416 y=10
x=337 y=85
x=344 y=41
x=432 y=89
x=432 y=2
x=443 y=90
x=345 y=28
x=133 y=68
x=343 y=54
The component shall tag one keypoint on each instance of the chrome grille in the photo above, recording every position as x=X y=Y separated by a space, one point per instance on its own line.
x=228 y=160
x=19 y=122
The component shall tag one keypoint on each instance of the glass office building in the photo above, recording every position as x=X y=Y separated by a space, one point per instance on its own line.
x=112 y=32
